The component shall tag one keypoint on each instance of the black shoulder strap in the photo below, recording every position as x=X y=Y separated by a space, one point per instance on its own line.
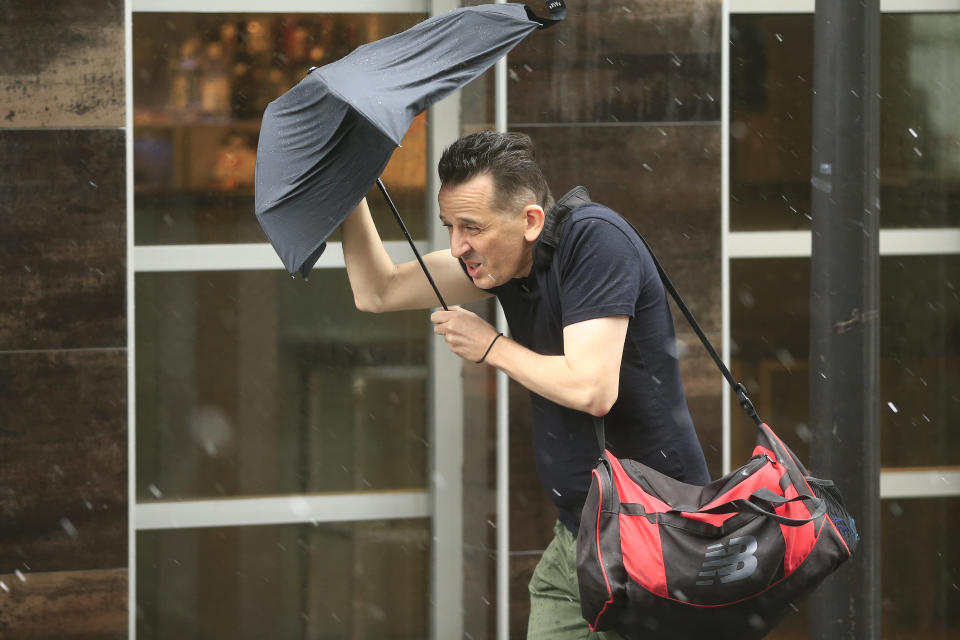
x=550 y=236
x=557 y=9
x=737 y=387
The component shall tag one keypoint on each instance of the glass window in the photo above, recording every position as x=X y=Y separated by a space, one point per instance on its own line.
x=200 y=85
x=771 y=89
x=251 y=383
x=919 y=574
x=625 y=62
x=329 y=581
x=919 y=355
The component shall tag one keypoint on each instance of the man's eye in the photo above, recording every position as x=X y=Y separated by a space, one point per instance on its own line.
x=473 y=229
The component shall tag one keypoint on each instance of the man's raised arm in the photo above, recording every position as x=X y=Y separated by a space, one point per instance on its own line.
x=379 y=285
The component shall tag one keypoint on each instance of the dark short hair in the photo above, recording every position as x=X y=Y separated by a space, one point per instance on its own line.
x=507 y=157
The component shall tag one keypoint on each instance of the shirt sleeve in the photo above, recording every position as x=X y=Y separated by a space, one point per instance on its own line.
x=599 y=271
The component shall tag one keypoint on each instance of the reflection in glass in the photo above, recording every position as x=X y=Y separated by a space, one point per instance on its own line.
x=771 y=84
x=627 y=62
x=317 y=582
x=201 y=83
x=919 y=355
x=921 y=569
x=250 y=383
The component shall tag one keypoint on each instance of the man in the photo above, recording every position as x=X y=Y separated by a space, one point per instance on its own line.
x=591 y=333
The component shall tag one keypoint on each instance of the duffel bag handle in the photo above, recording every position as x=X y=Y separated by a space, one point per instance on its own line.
x=750 y=505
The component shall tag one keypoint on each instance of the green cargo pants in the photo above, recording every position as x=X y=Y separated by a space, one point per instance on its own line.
x=555 y=596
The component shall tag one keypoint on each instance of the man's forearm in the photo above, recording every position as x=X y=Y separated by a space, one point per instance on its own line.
x=556 y=378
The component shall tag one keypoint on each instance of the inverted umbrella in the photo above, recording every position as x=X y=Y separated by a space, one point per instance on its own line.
x=324 y=143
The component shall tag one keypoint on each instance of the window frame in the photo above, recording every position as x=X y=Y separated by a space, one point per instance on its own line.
x=926 y=482
x=444 y=494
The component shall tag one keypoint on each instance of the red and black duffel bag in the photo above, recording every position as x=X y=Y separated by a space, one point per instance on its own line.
x=661 y=559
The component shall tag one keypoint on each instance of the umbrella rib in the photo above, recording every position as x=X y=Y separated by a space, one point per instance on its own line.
x=406 y=233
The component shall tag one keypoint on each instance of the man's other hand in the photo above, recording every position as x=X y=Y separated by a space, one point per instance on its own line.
x=467 y=334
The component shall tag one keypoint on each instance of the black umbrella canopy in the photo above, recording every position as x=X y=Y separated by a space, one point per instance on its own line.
x=325 y=142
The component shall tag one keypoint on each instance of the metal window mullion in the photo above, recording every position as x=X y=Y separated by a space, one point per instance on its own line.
x=503 y=409
x=446 y=407
x=292 y=509
x=726 y=445
x=131 y=333
x=281 y=6
x=807 y=6
x=797 y=244
x=238 y=257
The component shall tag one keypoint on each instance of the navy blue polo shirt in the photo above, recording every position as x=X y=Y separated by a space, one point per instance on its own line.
x=604 y=270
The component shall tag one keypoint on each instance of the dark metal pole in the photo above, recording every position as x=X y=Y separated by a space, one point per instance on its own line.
x=844 y=344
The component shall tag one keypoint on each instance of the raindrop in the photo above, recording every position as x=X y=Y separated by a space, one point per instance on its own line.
x=68 y=527
x=211 y=429
x=918 y=152
x=924 y=416
x=779 y=37
x=557 y=492
x=893 y=407
x=492 y=524
x=794 y=607
x=895 y=509
x=3 y=585
x=300 y=507
x=785 y=358
x=913 y=132
x=20 y=576
x=648 y=167
x=529 y=69
x=756 y=621
x=155 y=491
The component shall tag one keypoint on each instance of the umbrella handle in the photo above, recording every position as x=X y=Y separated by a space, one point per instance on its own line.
x=406 y=233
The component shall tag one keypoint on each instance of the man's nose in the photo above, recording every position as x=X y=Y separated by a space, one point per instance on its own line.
x=458 y=244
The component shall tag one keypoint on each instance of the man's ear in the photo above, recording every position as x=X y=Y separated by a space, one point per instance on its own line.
x=533 y=218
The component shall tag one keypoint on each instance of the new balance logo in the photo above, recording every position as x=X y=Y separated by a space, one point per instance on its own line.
x=731 y=562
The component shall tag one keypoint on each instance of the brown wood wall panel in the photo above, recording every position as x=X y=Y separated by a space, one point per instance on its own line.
x=62 y=64
x=63 y=460
x=64 y=605
x=63 y=239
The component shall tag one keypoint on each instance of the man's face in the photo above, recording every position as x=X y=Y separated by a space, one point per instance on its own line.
x=495 y=246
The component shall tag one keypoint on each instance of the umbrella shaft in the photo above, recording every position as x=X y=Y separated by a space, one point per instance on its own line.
x=406 y=233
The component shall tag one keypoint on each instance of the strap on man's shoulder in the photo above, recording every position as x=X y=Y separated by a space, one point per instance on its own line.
x=553 y=225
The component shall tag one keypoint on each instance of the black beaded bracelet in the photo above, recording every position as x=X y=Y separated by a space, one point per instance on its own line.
x=485 y=353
